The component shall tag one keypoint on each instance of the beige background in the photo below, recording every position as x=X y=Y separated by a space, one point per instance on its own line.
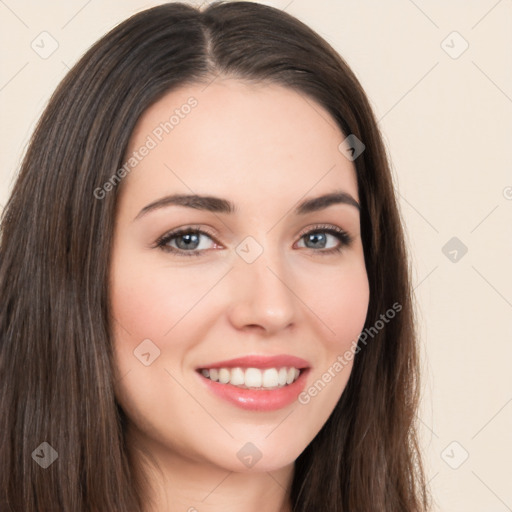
x=448 y=125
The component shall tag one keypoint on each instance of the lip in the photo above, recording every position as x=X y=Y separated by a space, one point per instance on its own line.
x=260 y=361
x=258 y=399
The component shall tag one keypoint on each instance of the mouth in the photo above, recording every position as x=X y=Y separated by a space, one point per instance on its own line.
x=253 y=378
x=258 y=383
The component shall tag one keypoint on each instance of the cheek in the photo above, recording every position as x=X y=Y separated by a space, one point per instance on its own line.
x=348 y=303
x=148 y=300
x=342 y=311
x=340 y=300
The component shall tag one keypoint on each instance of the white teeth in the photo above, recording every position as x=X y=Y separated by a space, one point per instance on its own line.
x=237 y=377
x=253 y=378
x=224 y=375
x=269 y=378
x=283 y=372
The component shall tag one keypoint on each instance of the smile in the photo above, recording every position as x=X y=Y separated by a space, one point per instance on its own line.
x=256 y=382
x=253 y=378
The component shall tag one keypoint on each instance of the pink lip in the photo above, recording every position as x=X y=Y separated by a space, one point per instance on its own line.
x=260 y=362
x=258 y=399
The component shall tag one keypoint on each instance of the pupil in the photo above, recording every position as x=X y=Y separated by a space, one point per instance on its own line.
x=187 y=240
x=314 y=237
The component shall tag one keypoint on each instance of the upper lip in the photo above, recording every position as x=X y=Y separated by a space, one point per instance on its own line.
x=260 y=361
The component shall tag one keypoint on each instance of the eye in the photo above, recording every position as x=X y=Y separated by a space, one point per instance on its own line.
x=319 y=235
x=187 y=241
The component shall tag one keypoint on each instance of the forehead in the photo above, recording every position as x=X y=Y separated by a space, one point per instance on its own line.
x=248 y=138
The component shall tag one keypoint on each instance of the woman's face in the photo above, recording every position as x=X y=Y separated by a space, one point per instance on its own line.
x=243 y=289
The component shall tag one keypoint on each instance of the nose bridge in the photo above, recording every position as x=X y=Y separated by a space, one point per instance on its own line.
x=262 y=294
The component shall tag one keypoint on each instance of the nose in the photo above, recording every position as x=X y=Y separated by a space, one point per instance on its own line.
x=262 y=295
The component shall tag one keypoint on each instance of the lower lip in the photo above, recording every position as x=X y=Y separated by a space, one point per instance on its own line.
x=258 y=400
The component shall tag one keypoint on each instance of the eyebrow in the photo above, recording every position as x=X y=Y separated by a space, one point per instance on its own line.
x=219 y=205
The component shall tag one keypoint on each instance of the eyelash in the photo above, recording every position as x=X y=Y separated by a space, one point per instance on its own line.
x=344 y=238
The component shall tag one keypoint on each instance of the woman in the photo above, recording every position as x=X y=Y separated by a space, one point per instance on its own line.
x=277 y=369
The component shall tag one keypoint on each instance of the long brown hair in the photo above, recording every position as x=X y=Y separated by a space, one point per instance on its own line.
x=56 y=356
